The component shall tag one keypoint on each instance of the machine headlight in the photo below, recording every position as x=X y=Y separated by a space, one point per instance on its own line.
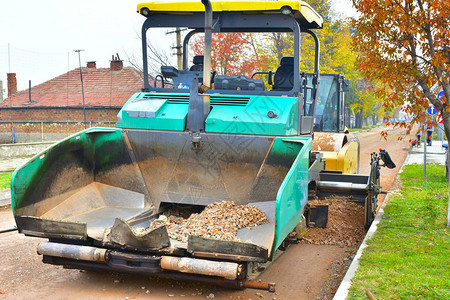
x=286 y=10
x=145 y=11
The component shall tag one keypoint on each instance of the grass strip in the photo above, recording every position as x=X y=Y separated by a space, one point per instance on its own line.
x=5 y=180
x=409 y=255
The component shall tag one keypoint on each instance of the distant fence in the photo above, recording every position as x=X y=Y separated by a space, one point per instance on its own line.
x=41 y=131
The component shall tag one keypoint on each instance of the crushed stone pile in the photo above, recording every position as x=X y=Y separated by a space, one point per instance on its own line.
x=219 y=220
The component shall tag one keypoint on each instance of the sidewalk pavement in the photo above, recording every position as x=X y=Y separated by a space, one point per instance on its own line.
x=5 y=197
x=435 y=154
x=9 y=165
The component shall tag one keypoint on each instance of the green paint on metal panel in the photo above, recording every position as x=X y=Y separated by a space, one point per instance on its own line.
x=110 y=150
x=293 y=192
x=230 y=114
x=253 y=118
x=164 y=116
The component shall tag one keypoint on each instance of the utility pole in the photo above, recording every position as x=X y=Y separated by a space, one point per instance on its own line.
x=82 y=86
x=179 y=52
x=179 y=47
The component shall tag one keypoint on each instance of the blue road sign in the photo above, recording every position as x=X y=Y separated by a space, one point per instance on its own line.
x=431 y=110
x=441 y=94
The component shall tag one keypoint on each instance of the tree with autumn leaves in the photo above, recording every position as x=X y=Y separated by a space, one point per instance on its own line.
x=232 y=53
x=405 y=46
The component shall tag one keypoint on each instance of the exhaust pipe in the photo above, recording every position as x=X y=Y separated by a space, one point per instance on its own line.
x=72 y=251
x=226 y=270
x=208 y=42
x=199 y=105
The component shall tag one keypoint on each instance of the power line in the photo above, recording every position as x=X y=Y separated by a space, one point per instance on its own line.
x=35 y=52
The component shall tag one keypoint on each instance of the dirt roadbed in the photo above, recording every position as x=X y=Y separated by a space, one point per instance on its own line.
x=304 y=271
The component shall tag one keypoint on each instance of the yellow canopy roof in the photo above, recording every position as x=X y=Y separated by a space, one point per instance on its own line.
x=234 y=5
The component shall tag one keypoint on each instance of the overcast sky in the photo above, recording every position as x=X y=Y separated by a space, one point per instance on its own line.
x=43 y=34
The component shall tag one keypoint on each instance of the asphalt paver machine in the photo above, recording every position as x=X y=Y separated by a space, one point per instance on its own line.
x=194 y=139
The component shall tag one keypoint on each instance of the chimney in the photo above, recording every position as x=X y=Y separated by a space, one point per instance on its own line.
x=91 y=65
x=12 y=83
x=116 y=64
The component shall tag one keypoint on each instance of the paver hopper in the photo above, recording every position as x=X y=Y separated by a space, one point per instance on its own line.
x=97 y=187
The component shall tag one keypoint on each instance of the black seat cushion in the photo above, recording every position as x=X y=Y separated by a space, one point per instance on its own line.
x=284 y=76
x=198 y=63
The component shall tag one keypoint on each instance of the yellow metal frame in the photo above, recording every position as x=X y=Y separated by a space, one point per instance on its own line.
x=345 y=160
x=233 y=5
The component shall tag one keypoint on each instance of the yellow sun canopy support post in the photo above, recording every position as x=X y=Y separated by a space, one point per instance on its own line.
x=301 y=11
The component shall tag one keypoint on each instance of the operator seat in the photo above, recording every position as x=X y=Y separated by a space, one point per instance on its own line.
x=198 y=63
x=284 y=76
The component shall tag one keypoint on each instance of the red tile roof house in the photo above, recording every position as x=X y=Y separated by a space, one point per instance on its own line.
x=55 y=108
